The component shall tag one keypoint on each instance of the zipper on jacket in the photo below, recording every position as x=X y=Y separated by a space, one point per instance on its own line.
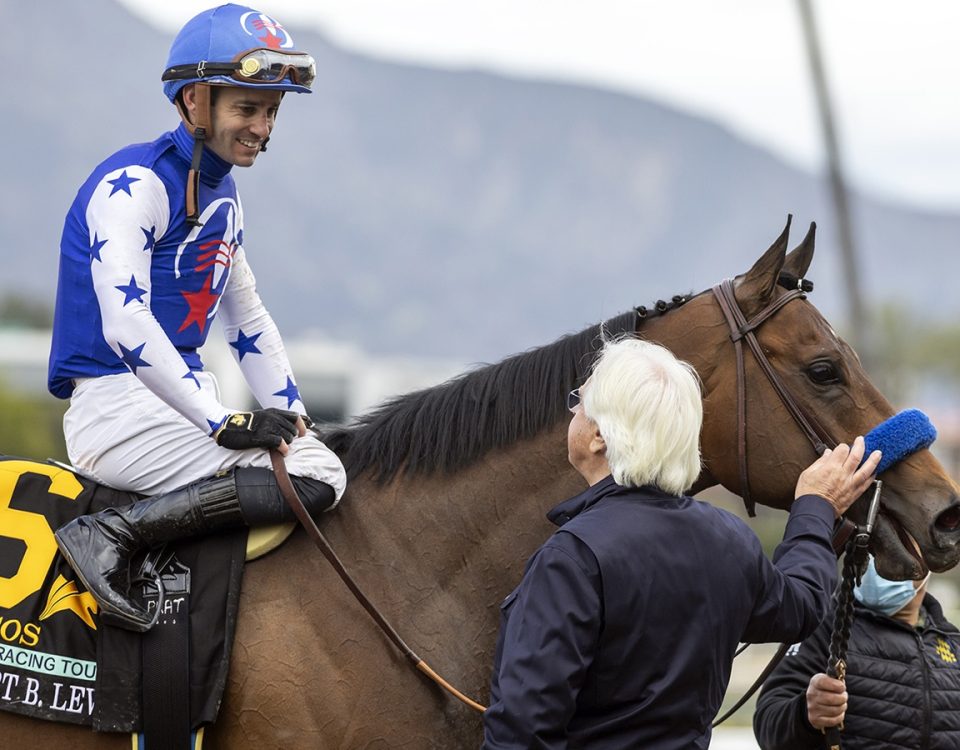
x=927 y=709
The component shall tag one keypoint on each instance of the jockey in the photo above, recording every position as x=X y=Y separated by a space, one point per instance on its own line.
x=152 y=250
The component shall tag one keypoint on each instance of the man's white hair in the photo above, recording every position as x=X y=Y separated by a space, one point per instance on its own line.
x=647 y=405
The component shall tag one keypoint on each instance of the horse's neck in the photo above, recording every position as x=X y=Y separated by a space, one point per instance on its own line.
x=484 y=520
x=697 y=335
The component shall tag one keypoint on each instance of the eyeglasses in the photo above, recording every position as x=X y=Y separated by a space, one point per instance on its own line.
x=573 y=399
x=253 y=66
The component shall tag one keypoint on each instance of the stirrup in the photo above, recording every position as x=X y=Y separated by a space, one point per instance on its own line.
x=147 y=575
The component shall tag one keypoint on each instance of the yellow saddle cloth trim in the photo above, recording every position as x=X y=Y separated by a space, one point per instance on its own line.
x=264 y=539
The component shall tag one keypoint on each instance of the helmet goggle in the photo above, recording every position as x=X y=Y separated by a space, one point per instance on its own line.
x=263 y=66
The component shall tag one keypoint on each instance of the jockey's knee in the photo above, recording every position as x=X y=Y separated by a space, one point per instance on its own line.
x=261 y=501
x=317 y=496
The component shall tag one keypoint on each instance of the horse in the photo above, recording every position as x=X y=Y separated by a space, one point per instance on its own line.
x=447 y=496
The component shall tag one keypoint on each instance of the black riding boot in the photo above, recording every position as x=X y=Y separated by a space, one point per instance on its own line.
x=100 y=547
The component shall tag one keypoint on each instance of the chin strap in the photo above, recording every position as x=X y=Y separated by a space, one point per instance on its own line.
x=199 y=132
x=193 y=178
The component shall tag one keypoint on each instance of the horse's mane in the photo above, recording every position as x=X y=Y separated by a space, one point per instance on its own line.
x=451 y=425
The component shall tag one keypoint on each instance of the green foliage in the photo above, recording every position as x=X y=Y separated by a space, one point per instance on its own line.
x=938 y=351
x=22 y=312
x=905 y=351
x=31 y=427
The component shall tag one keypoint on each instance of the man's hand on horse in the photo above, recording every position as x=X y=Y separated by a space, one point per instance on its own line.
x=838 y=476
x=265 y=428
x=826 y=701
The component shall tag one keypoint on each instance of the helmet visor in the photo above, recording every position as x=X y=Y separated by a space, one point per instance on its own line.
x=256 y=66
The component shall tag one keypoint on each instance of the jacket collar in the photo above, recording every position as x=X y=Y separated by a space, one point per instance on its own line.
x=935 y=616
x=570 y=509
x=573 y=507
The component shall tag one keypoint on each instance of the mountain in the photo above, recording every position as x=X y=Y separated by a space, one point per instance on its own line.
x=454 y=213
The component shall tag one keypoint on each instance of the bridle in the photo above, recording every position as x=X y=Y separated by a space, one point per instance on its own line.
x=742 y=330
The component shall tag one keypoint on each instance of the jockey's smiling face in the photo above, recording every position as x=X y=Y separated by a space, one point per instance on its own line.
x=242 y=119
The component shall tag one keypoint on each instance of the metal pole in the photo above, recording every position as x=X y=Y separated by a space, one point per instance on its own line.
x=859 y=337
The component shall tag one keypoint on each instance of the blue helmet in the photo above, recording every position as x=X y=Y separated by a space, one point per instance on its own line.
x=233 y=45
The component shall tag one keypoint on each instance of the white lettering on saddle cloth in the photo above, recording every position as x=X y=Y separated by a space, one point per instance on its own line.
x=21 y=690
x=170 y=607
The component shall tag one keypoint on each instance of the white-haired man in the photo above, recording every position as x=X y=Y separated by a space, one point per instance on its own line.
x=622 y=632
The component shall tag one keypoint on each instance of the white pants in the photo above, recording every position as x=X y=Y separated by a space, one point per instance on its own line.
x=120 y=434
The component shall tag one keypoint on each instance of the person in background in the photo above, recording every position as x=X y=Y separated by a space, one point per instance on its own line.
x=902 y=685
x=152 y=251
x=623 y=630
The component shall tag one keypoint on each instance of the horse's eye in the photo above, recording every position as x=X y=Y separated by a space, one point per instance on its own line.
x=823 y=372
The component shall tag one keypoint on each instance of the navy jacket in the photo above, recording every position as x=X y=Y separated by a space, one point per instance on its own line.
x=903 y=685
x=622 y=632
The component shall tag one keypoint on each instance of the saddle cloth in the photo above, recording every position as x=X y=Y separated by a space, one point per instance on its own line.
x=57 y=660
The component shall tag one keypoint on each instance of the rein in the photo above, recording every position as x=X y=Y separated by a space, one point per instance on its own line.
x=620 y=324
x=740 y=329
x=289 y=493
x=854 y=564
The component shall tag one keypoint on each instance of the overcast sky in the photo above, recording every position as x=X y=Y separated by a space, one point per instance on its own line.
x=894 y=66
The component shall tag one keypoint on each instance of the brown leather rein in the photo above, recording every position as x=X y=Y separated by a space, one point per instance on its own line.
x=289 y=493
x=740 y=329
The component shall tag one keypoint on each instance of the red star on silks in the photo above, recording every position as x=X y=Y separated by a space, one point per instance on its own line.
x=200 y=303
x=272 y=41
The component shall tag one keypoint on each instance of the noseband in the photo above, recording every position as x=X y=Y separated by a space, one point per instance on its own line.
x=742 y=330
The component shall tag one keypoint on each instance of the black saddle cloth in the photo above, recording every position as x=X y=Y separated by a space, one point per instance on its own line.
x=58 y=661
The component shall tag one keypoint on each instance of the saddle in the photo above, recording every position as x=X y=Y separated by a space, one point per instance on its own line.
x=59 y=662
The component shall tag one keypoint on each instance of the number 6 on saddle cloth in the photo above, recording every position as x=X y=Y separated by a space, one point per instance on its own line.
x=58 y=661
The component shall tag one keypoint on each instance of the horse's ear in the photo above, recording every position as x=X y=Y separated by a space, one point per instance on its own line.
x=755 y=288
x=798 y=260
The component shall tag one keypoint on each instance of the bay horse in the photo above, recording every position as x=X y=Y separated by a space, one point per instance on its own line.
x=446 y=502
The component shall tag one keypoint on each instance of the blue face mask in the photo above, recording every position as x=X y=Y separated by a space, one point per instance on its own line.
x=881 y=595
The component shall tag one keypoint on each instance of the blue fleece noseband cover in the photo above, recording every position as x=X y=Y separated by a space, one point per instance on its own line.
x=898 y=437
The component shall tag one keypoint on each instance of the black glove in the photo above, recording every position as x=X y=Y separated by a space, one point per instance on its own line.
x=265 y=428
